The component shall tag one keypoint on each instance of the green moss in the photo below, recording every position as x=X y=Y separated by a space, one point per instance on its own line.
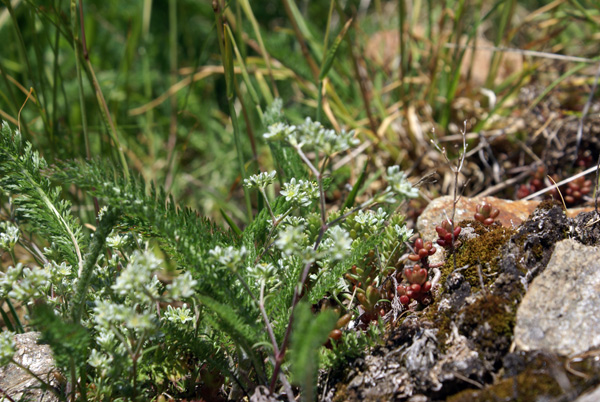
x=479 y=251
x=535 y=382
x=538 y=251
x=525 y=387
x=489 y=323
x=547 y=205
x=441 y=322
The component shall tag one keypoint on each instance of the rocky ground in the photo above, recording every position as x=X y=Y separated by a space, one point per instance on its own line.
x=515 y=318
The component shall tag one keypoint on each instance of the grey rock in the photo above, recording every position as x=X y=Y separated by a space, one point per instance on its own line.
x=592 y=396
x=20 y=385
x=564 y=298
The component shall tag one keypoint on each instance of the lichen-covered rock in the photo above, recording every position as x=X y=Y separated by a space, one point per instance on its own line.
x=460 y=347
x=564 y=298
x=20 y=385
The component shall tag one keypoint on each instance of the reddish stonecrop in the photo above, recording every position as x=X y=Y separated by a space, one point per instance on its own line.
x=418 y=286
x=486 y=214
x=422 y=251
x=445 y=233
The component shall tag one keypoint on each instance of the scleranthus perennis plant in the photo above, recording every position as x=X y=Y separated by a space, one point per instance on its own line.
x=159 y=301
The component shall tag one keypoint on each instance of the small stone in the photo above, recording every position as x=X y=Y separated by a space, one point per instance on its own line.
x=512 y=213
x=20 y=385
x=561 y=309
x=592 y=396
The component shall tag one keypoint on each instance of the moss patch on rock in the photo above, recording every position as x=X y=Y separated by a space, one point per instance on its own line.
x=536 y=376
x=489 y=323
x=478 y=255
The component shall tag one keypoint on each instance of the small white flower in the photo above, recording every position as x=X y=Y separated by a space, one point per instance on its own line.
x=182 y=286
x=279 y=132
x=33 y=284
x=9 y=235
x=179 y=315
x=334 y=247
x=106 y=339
x=403 y=232
x=137 y=280
x=291 y=240
x=292 y=220
x=371 y=219
x=99 y=360
x=107 y=313
x=116 y=242
x=261 y=180
x=264 y=272
x=229 y=257
x=399 y=184
x=300 y=192
x=12 y=275
x=59 y=270
x=341 y=243
x=314 y=135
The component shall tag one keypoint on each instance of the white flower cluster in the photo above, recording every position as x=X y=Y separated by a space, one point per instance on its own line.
x=336 y=245
x=300 y=192
x=107 y=313
x=398 y=183
x=313 y=135
x=403 y=232
x=137 y=280
x=291 y=240
x=371 y=219
x=264 y=272
x=100 y=361
x=24 y=284
x=116 y=242
x=182 y=286
x=281 y=132
x=9 y=235
x=261 y=180
x=178 y=315
x=229 y=257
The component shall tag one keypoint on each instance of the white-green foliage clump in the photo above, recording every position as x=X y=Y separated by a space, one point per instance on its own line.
x=9 y=236
x=7 y=347
x=143 y=324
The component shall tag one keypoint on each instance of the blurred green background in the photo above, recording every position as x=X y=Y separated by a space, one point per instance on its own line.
x=159 y=67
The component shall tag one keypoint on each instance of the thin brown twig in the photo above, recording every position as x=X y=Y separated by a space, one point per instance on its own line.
x=501 y=186
x=585 y=111
x=565 y=181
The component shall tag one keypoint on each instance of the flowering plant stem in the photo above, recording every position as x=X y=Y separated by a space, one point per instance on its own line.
x=79 y=299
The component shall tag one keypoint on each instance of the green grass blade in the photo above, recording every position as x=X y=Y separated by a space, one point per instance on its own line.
x=13 y=312
x=331 y=53
x=6 y=320
x=309 y=334
x=352 y=196
x=245 y=76
x=250 y=15
x=231 y=223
